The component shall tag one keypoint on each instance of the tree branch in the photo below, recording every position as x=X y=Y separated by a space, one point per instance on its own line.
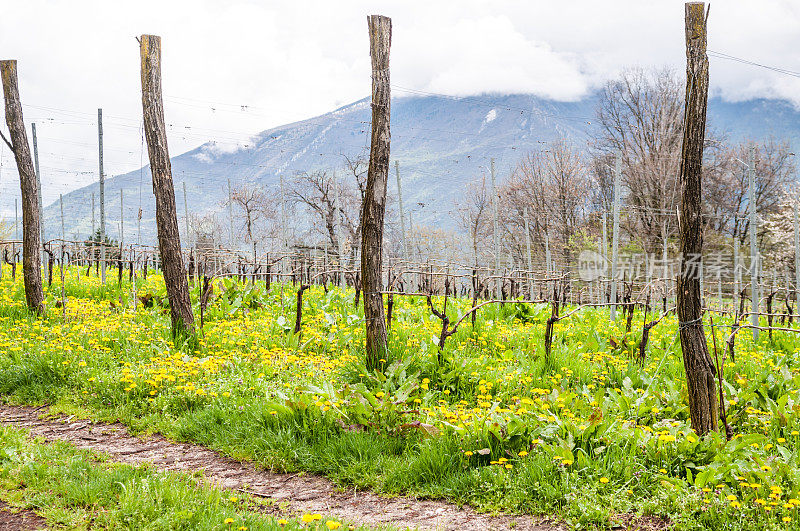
x=7 y=142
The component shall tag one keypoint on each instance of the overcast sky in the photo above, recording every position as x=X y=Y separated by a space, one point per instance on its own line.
x=234 y=68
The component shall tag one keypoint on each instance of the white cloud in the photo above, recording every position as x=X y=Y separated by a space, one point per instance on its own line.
x=484 y=54
x=287 y=61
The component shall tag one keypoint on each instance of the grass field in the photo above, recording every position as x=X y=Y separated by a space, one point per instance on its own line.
x=77 y=489
x=588 y=434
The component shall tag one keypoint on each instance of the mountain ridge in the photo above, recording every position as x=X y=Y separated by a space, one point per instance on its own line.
x=441 y=143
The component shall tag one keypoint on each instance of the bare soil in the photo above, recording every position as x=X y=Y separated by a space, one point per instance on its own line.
x=284 y=494
x=288 y=494
x=13 y=519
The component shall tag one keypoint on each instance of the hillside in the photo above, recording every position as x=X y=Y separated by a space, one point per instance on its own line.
x=441 y=144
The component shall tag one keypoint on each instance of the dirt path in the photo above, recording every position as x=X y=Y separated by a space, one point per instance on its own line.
x=13 y=519
x=291 y=493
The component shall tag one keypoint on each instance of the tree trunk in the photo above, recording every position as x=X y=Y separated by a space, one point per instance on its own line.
x=699 y=368
x=169 y=242
x=31 y=209
x=372 y=212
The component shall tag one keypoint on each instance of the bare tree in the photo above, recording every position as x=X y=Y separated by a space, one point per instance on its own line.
x=727 y=201
x=315 y=191
x=206 y=230
x=356 y=171
x=251 y=201
x=777 y=229
x=553 y=185
x=472 y=214
x=640 y=117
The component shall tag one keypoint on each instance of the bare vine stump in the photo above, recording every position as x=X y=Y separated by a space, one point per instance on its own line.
x=298 y=322
x=769 y=312
x=548 y=331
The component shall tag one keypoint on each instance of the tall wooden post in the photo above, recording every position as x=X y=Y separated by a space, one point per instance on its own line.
x=91 y=236
x=548 y=258
x=285 y=262
x=796 y=259
x=93 y=222
x=38 y=181
x=736 y=279
x=665 y=267
x=102 y=197
x=186 y=215
x=400 y=209
x=528 y=253
x=601 y=285
x=337 y=230
x=755 y=262
x=700 y=370
x=121 y=218
x=495 y=234
x=615 y=234
x=374 y=207
x=63 y=256
x=230 y=211
x=169 y=242
x=31 y=209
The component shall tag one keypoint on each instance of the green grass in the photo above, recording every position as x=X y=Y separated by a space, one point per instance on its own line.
x=76 y=489
x=599 y=434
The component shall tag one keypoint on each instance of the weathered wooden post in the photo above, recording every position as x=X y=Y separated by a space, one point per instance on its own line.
x=63 y=256
x=529 y=254
x=755 y=259
x=700 y=370
x=615 y=235
x=169 y=242
x=495 y=233
x=400 y=210
x=31 y=208
x=796 y=257
x=337 y=230
x=736 y=272
x=38 y=181
x=102 y=260
x=380 y=39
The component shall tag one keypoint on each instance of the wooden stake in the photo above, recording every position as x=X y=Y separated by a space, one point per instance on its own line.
x=102 y=197
x=31 y=209
x=380 y=39
x=169 y=241
x=700 y=370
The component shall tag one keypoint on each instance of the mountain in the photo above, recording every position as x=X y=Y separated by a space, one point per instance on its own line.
x=441 y=143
